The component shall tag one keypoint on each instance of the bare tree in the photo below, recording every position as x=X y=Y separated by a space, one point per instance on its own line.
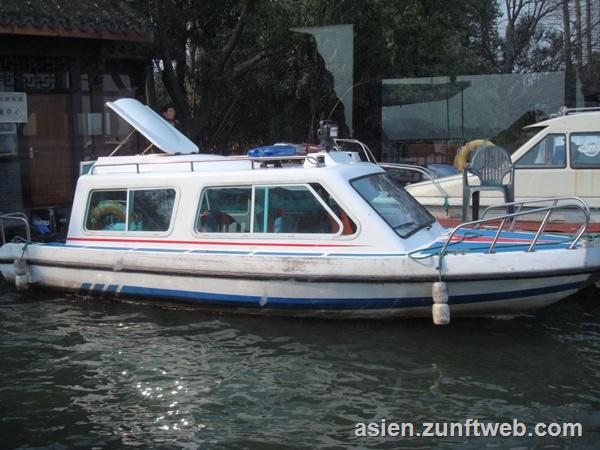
x=570 y=81
x=588 y=30
x=578 y=36
x=525 y=20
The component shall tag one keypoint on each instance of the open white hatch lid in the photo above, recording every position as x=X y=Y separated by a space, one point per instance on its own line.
x=153 y=127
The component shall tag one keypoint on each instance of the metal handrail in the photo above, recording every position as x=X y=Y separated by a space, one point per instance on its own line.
x=19 y=217
x=554 y=200
x=582 y=109
x=365 y=148
x=419 y=169
x=583 y=207
x=262 y=159
x=191 y=162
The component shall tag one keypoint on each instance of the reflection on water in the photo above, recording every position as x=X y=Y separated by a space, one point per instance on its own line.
x=88 y=373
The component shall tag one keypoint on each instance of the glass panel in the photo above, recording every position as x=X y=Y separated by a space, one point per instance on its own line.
x=225 y=210
x=549 y=152
x=426 y=119
x=349 y=227
x=151 y=209
x=107 y=211
x=585 y=150
x=396 y=206
x=290 y=209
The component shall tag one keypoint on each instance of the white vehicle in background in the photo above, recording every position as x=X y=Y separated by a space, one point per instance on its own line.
x=561 y=159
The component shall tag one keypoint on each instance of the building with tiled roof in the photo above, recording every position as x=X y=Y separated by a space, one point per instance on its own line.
x=62 y=60
x=104 y=19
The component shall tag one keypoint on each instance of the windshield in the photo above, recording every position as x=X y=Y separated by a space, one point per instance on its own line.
x=396 y=206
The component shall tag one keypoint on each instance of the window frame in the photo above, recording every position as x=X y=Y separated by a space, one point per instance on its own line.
x=273 y=235
x=126 y=231
x=197 y=232
x=540 y=166
x=581 y=167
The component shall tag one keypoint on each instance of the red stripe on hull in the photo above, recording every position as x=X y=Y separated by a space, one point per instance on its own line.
x=247 y=244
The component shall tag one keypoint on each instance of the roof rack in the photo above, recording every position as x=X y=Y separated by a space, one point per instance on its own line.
x=565 y=111
x=583 y=109
x=263 y=160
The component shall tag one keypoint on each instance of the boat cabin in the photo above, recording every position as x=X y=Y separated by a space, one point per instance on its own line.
x=190 y=199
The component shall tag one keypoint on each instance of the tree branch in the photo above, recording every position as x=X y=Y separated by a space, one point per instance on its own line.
x=241 y=69
x=219 y=66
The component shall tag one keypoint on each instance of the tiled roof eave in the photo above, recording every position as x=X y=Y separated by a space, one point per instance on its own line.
x=75 y=32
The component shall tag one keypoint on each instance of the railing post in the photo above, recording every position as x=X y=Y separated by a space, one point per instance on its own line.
x=498 y=232
x=539 y=231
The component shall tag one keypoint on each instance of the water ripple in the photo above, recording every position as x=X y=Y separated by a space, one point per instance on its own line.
x=83 y=373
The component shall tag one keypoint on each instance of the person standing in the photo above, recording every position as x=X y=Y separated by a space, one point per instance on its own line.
x=170 y=115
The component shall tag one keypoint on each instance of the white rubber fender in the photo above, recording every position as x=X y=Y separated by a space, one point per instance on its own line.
x=440 y=311
x=21 y=274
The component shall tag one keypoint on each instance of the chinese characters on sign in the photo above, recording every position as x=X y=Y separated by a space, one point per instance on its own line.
x=13 y=107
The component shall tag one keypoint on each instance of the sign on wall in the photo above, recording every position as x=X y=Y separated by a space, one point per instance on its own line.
x=13 y=107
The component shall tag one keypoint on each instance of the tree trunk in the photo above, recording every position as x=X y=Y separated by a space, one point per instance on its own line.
x=509 y=53
x=570 y=79
x=588 y=30
x=578 y=37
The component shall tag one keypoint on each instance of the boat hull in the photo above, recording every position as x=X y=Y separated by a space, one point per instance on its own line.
x=317 y=293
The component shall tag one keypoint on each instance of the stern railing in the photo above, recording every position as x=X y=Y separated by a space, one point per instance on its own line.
x=18 y=217
x=556 y=203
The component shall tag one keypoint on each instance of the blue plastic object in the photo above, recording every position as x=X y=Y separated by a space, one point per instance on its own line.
x=273 y=150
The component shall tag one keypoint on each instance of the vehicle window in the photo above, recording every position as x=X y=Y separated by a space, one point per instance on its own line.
x=107 y=210
x=396 y=206
x=141 y=210
x=550 y=152
x=224 y=210
x=585 y=150
x=349 y=227
x=150 y=209
x=290 y=209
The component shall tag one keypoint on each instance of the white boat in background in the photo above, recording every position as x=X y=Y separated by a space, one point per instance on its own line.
x=311 y=235
x=561 y=159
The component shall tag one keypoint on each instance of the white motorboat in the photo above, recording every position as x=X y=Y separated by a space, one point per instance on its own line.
x=311 y=235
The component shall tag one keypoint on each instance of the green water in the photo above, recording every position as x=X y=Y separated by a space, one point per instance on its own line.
x=81 y=373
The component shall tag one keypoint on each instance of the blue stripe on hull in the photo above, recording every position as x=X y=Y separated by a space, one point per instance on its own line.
x=287 y=303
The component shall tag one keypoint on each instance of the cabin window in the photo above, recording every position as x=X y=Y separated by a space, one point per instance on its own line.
x=549 y=153
x=585 y=150
x=107 y=210
x=150 y=209
x=291 y=209
x=396 y=206
x=133 y=210
x=348 y=225
x=225 y=210
x=271 y=209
